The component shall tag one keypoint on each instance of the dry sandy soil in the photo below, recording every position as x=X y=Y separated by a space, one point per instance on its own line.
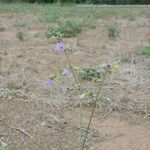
x=40 y=118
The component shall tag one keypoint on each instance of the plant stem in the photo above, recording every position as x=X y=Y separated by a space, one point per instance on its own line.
x=72 y=70
x=92 y=113
x=84 y=141
x=81 y=122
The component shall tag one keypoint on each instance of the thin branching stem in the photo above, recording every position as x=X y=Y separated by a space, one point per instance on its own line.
x=71 y=67
x=93 y=108
x=82 y=144
x=81 y=122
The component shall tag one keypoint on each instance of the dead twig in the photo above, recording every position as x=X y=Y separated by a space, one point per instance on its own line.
x=22 y=130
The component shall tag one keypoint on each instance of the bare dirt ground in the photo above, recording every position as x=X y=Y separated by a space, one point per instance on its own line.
x=42 y=118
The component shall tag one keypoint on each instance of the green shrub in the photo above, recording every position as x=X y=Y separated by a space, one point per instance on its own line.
x=68 y=28
x=145 y=50
x=89 y=74
x=113 y=32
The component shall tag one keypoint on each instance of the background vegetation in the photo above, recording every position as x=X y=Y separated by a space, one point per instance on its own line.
x=114 y=2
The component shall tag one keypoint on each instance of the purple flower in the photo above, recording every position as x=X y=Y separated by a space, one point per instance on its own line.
x=66 y=73
x=108 y=65
x=50 y=82
x=59 y=47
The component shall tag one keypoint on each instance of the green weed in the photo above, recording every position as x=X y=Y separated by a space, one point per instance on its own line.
x=113 y=31
x=96 y=75
x=145 y=50
x=3 y=148
x=90 y=74
x=13 y=93
x=21 y=23
x=68 y=28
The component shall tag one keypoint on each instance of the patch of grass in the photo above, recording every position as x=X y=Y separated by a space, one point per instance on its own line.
x=90 y=19
x=95 y=14
x=21 y=23
x=3 y=148
x=11 y=93
x=89 y=22
x=50 y=17
x=96 y=75
x=88 y=74
x=70 y=10
x=68 y=28
x=15 y=93
x=129 y=16
x=113 y=31
x=145 y=50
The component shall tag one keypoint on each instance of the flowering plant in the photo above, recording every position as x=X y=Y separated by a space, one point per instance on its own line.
x=97 y=75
